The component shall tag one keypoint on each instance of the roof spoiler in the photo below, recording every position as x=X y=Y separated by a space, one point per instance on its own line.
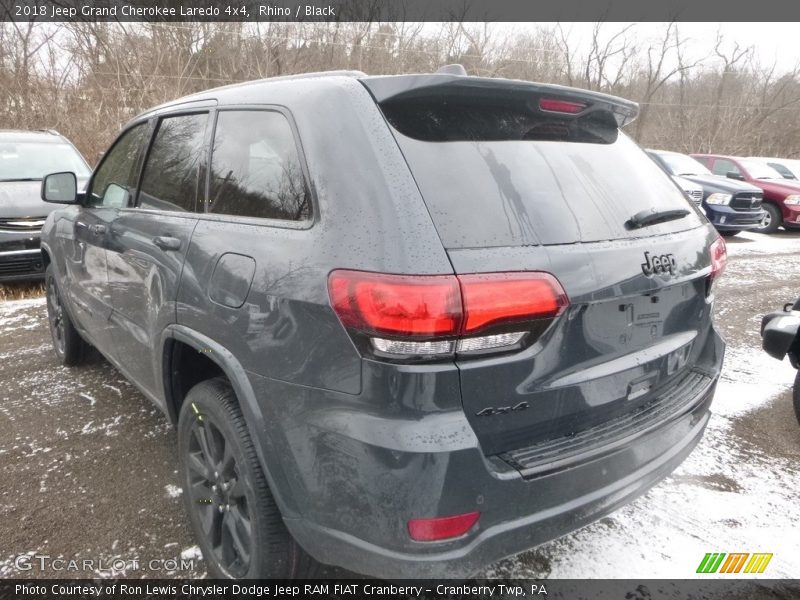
x=410 y=87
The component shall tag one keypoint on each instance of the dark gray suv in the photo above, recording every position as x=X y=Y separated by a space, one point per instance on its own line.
x=407 y=325
x=26 y=157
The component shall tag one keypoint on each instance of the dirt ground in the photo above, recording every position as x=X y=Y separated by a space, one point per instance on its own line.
x=88 y=466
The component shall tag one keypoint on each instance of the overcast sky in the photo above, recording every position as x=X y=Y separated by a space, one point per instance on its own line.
x=772 y=41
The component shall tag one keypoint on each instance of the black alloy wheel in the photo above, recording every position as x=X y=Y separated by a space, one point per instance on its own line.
x=217 y=489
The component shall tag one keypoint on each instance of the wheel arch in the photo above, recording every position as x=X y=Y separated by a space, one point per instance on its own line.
x=46 y=254
x=236 y=375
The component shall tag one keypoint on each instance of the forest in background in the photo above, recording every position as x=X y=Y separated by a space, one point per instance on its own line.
x=87 y=79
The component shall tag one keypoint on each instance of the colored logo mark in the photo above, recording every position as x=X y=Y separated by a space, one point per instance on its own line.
x=735 y=562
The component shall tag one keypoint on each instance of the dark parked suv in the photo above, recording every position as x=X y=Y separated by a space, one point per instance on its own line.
x=408 y=325
x=26 y=157
x=731 y=206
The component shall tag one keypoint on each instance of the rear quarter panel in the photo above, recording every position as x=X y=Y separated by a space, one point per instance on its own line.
x=304 y=369
x=367 y=215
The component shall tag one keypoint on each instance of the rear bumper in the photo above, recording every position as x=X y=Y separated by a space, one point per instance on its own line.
x=605 y=486
x=518 y=511
x=21 y=265
x=724 y=218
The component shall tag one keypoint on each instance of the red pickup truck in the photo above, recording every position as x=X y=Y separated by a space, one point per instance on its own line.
x=781 y=196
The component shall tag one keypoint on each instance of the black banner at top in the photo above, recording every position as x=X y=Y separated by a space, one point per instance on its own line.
x=399 y=10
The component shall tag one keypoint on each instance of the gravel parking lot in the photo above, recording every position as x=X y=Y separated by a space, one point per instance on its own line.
x=88 y=465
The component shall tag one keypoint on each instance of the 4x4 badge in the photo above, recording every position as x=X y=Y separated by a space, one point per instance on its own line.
x=654 y=265
x=501 y=410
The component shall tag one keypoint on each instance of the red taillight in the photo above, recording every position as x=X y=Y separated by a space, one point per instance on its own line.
x=401 y=305
x=719 y=258
x=441 y=528
x=441 y=306
x=438 y=315
x=561 y=106
x=496 y=298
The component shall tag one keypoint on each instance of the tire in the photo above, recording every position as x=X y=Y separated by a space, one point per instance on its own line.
x=796 y=397
x=226 y=493
x=730 y=232
x=70 y=347
x=772 y=220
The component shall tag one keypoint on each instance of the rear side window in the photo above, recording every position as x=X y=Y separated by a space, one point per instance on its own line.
x=784 y=171
x=255 y=167
x=172 y=171
x=495 y=173
x=114 y=182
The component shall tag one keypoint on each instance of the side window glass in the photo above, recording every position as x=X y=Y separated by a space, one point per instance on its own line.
x=114 y=183
x=171 y=174
x=785 y=173
x=722 y=166
x=255 y=168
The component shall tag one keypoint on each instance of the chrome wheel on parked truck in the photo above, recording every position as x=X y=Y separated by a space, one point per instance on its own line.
x=772 y=219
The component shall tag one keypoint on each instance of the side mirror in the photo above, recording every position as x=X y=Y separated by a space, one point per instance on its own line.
x=734 y=175
x=60 y=188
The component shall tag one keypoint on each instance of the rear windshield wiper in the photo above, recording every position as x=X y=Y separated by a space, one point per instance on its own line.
x=652 y=216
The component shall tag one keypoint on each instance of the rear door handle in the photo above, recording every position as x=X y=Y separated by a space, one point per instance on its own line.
x=167 y=243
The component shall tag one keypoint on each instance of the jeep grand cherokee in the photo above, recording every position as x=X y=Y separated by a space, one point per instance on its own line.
x=408 y=325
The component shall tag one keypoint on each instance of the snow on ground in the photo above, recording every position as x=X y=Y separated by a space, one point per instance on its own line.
x=745 y=244
x=13 y=314
x=173 y=491
x=743 y=386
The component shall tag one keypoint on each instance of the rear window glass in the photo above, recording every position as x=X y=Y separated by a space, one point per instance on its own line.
x=495 y=175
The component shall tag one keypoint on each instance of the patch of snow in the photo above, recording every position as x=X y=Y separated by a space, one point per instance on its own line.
x=749 y=380
x=191 y=552
x=114 y=388
x=173 y=491
x=12 y=306
x=747 y=243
